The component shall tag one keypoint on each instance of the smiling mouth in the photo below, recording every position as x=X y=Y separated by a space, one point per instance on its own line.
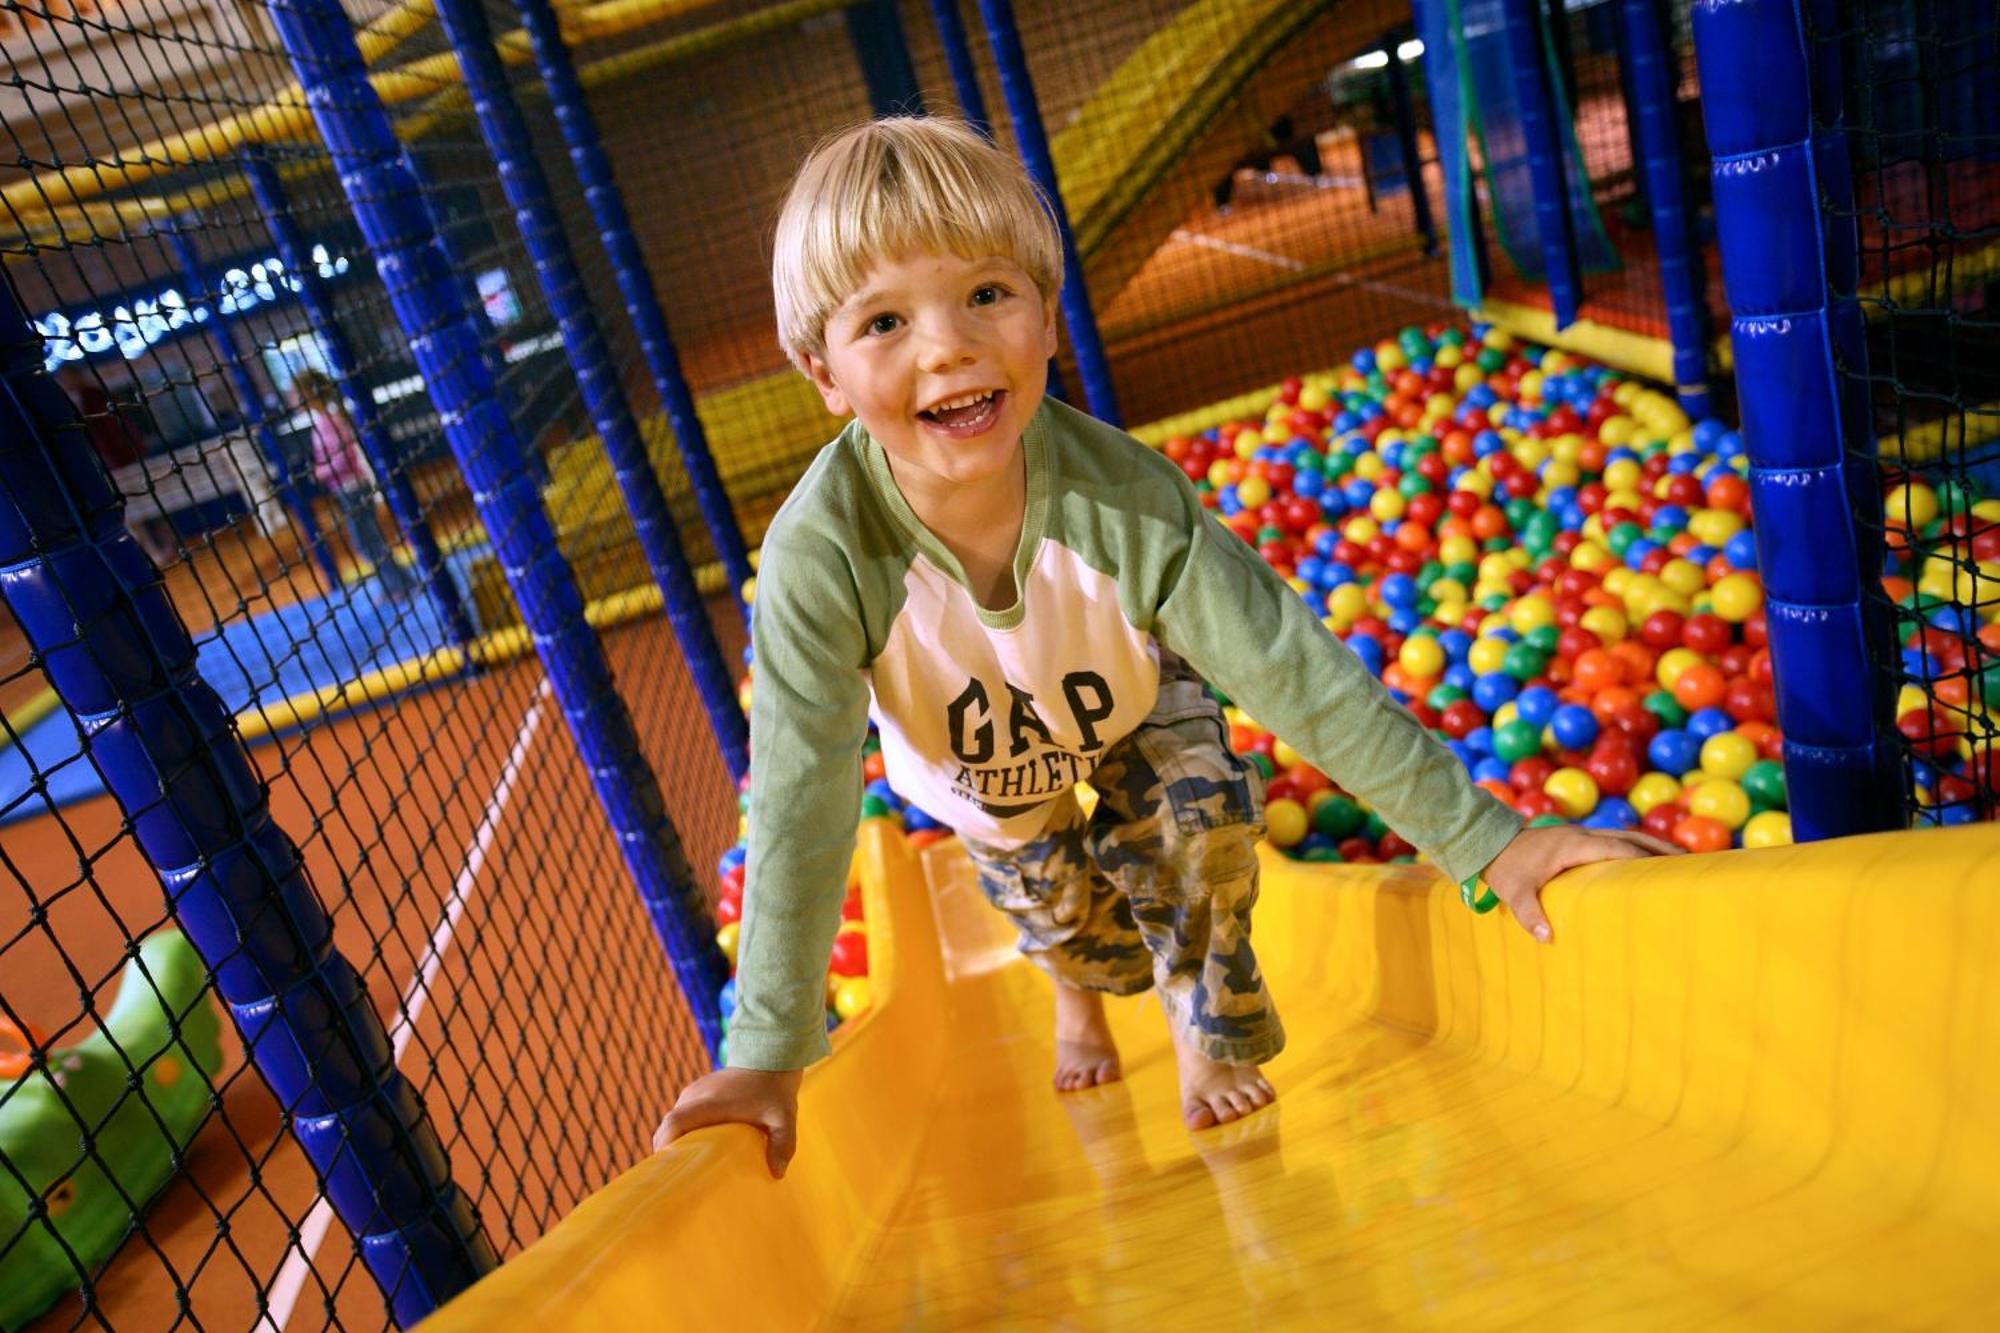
x=967 y=415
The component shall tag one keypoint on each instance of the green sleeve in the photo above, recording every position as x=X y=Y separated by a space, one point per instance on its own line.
x=1248 y=633
x=808 y=718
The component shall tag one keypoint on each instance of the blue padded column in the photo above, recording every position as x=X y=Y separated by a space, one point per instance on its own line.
x=1650 y=74
x=249 y=403
x=958 y=59
x=635 y=284
x=506 y=135
x=1522 y=20
x=375 y=443
x=445 y=342
x=1026 y=114
x=1772 y=108
x=98 y=618
x=876 y=29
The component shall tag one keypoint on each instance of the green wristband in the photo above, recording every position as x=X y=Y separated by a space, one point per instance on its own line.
x=1481 y=902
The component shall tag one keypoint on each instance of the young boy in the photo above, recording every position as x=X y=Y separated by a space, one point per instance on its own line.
x=1023 y=597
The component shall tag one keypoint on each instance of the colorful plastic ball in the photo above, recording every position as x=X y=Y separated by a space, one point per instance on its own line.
x=1728 y=754
x=852 y=996
x=1421 y=656
x=1674 y=752
x=1573 y=726
x=1517 y=740
x=725 y=940
x=1771 y=828
x=1537 y=704
x=1285 y=822
x=1736 y=597
x=1720 y=800
x=1764 y=783
x=1337 y=817
x=850 y=954
x=1698 y=686
x=1698 y=833
x=1573 y=790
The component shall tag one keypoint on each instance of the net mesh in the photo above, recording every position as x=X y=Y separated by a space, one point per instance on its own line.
x=1925 y=145
x=451 y=831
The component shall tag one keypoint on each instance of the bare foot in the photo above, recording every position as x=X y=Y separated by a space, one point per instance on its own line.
x=1214 y=1093
x=1085 y=1053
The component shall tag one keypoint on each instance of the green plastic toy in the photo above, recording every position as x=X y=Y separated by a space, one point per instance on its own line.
x=140 y=1087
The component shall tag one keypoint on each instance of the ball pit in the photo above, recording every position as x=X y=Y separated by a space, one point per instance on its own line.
x=1555 y=571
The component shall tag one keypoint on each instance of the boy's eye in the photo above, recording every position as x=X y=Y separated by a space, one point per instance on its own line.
x=880 y=324
x=987 y=293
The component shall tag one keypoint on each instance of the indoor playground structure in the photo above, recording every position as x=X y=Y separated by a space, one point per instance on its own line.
x=393 y=414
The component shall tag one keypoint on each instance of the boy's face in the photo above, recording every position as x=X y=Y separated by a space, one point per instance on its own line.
x=944 y=360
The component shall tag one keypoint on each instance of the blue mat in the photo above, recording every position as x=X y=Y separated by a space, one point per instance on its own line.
x=264 y=658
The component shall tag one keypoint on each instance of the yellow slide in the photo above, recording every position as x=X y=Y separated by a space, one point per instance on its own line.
x=1752 y=1090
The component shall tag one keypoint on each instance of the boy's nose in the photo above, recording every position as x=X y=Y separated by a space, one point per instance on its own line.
x=945 y=345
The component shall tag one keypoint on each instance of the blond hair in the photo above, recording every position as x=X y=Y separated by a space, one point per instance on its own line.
x=893 y=187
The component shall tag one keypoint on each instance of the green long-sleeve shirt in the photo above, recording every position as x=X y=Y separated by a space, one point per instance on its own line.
x=986 y=716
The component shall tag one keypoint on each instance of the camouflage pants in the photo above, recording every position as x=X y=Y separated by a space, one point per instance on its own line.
x=1155 y=887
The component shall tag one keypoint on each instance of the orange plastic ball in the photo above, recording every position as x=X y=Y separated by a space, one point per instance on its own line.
x=1700 y=686
x=1700 y=834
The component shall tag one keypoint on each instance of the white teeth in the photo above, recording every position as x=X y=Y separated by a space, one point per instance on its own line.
x=969 y=400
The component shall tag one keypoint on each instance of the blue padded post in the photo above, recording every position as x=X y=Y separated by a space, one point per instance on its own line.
x=1650 y=74
x=319 y=41
x=876 y=30
x=527 y=189
x=375 y=443
x=98 y=618
x=958 y=59
x=1522 y=20
x=1772 y=108
x=249 y=403
x=635 y=284
x=1026 y=114
x=1406 y=141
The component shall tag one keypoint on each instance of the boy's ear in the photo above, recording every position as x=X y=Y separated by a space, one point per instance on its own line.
x=1050 y=309
x=822 y=378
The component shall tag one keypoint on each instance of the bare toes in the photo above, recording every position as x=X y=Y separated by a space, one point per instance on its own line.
x=1199 y=1116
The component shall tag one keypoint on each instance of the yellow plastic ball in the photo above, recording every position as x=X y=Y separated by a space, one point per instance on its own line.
x=1222 y=472
x=1560 y=473
x=1465 y=376
x=1531 y=386
x=1370 y=467
x=1736 y=597
x=1499 y=340
x=1653 y=789
x=1683 y=576
x=1313 y=398
x=1573 y=790
x=1286 y=822
x=1247 y=444
x=1450 y=357
x=1486 y=655
x=1387 y=504
x=1616 y=430
x=1607 y=623
x=1347 y=603
x=1622 y=475
x=1618 y=580
x=1283 y=755
x=1772 y=828
x=1421 y=656
x=1253 y=491
x=1720 y=800
x=1476 y=482
x=1728 y=754
x=852 y=996
x=725 y=940
x=1590 y=557
x=1458 y=550
x=1361 y=529
x=1912 y=506
x=1672 y=663
x=1531 y=612
x=1714 y=527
